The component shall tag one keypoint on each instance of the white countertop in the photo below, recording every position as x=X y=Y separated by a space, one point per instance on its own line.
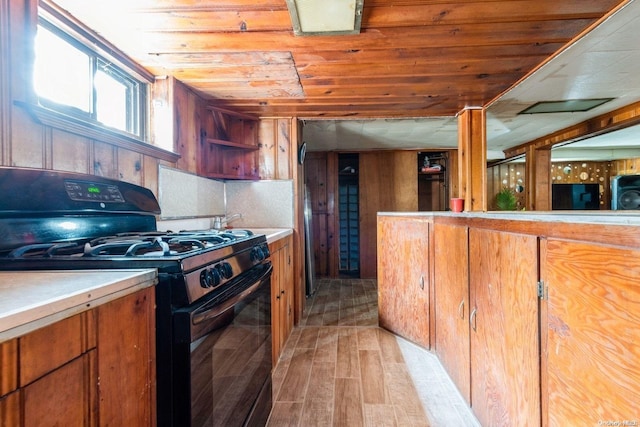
x=30 y=300
x=273 y=234
x=586 y=217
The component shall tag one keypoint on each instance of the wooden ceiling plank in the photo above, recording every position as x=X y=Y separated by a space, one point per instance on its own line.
x=456 y=13
x=389 y=38
x=454 y=53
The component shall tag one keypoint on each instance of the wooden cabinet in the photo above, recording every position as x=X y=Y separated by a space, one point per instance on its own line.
x=95 y=368
x=505 y=361
x=589 y=326
x=404 y=277
x=281 y=294
x=126 y=360
x=229 y=145
x=451 y=289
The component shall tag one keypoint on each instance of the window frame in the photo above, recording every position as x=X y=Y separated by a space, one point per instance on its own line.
x=101 y=54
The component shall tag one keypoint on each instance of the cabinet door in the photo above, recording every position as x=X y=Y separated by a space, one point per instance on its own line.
x=505 y=362
x=403 y=277
x=451 y=288
x=64 y=397
x=281 y=295
x=592 y=352
x=126 y=360
x=276 y=308
x=10 y=410
x=286 y=284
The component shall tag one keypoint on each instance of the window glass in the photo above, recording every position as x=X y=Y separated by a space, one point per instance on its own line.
x=71 y=78
x=111 y=101
x=62 y=73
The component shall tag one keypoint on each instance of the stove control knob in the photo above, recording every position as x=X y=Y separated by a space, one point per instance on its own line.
x=257 y=254
x=210 y=278
x=226 y=270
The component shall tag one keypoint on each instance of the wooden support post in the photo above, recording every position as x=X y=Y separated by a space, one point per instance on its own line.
x=472 y=159
x=538 y=183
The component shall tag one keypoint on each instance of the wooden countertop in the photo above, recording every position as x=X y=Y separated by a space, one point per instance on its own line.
x=30 y=300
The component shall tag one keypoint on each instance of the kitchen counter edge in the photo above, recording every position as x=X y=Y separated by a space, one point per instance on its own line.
x=35 y=299
x=587 y=217
x=273 y=234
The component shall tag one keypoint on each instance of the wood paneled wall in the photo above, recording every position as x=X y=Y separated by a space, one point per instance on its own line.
x=388 y=181
x=512 y=174
x=321 y=182
x=505 y=175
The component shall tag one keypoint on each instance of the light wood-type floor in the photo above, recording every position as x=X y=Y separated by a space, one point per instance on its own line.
x=338 y=368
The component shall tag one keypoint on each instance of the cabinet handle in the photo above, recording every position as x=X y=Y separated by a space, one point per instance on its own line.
x=282 y=292
x=472 y=319
x=461 y=309
x=422 y=282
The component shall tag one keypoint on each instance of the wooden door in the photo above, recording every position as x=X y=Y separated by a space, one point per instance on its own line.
x=505 y=362
x=591 y=358
x=64 y=397
x=403 y=277
x=451 y=289
x=287 y=287
x=126 y=360
x=276 y=305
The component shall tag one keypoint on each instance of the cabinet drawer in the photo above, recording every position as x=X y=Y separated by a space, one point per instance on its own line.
x=48 y=348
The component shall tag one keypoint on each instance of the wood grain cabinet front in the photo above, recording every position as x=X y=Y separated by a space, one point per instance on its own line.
x=96 y=368
x=281 y=294
x=590 y=330
x=451 y=289
x=504 y=336
x=404 y=277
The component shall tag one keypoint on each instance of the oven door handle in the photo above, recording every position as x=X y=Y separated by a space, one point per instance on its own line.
x=200 y=317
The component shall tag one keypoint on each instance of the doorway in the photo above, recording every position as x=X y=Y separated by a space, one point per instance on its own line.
x=348 y=196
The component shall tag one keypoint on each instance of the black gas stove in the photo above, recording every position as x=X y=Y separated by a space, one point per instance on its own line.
x=211 y=283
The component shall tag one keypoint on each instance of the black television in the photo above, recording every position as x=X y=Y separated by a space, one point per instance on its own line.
x=575 y=196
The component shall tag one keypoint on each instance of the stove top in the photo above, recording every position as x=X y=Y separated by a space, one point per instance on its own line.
x=150 y=244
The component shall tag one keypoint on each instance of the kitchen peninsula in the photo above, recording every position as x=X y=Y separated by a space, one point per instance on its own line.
x=534 y=315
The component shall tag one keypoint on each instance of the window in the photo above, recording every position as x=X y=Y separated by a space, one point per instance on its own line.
x=72 y=79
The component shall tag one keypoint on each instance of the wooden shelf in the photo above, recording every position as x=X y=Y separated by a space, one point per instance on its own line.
x=231 y=144
x=228 y=176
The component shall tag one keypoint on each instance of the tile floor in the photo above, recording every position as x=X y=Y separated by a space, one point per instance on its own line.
x=339 y=369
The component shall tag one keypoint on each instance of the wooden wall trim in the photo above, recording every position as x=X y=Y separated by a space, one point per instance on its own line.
x=68 y=124
x=609 y=122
